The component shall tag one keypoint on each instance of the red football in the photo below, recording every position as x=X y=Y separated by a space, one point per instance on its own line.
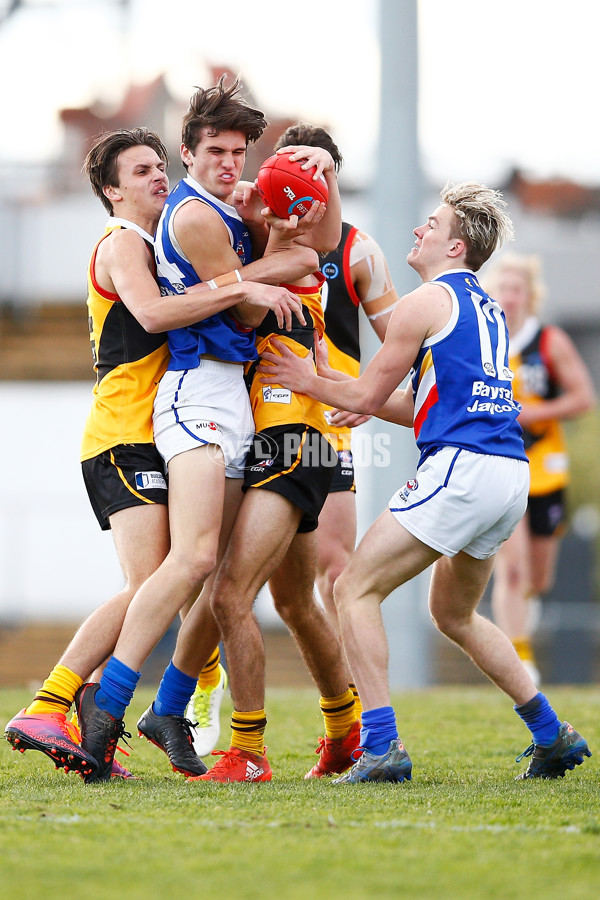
x=288 y=189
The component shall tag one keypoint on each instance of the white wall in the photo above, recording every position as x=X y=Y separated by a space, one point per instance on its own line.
x=55 y=562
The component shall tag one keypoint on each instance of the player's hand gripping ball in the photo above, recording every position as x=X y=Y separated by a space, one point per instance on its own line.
x=288 y=189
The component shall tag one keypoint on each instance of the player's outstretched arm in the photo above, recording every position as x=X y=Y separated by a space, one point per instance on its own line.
x=124 y=267
x=399 y=410
x=416 y=316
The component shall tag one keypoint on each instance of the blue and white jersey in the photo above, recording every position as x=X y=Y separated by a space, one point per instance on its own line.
x=219 y=335
x=461 y=381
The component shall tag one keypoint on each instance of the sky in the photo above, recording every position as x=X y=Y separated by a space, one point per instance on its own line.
x=502 y=83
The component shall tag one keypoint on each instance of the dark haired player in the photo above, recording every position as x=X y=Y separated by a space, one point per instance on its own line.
x=122 y=470
x=357 y=276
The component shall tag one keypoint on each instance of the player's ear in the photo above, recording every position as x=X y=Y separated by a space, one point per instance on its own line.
x=457 y=247
x=186 y=155
x=111 y=193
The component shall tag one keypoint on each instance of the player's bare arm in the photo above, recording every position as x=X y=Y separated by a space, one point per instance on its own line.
x=124 y=266
x=416 y=317
x=398 y=409
x=204 y=239
x=372 y=281
x=577 y=390
x=214 y=257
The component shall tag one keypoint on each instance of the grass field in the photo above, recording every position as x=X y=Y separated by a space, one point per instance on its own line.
x=462 y=829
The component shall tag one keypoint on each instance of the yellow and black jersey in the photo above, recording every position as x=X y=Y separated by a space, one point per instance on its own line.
x=273 y=404
x=533 y=382
x=129 y=362
x=340 y=306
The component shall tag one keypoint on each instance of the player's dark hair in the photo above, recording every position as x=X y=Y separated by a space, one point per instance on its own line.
x=220 y=109
x=311 y=136
x=101 y=163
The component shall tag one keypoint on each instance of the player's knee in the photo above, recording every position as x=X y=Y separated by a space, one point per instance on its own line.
x=341 y=591
x=516 y=578
x=295 y=603
x=194 y=569
x=332 y=572
x=229 y=607
x=446 y=620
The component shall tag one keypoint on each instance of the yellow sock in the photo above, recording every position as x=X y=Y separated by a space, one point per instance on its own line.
x=210 y=674
x=524 y=649
x=357 y=704
x=339 y=714
x=248 y=730
x=57 y=692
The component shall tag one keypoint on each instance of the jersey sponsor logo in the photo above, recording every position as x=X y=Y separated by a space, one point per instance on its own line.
x=330 y=270
x=492 y=395
x=556 y=462
x=491 y=408
x=276 y=395
x=145 y=481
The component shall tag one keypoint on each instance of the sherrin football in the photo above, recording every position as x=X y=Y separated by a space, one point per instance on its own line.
x=288 y=189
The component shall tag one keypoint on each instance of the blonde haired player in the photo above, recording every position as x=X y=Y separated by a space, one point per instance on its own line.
x=552 y=384
x=470 y=488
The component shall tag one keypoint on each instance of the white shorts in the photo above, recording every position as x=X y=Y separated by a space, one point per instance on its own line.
x=460 y=500
x=207 y=405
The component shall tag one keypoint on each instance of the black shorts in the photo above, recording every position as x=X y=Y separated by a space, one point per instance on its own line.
x=547 y=513
x=124 y=476
x=343 y=476
x=295 y=461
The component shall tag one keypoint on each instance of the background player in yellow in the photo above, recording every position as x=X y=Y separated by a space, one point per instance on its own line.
x=552 y=384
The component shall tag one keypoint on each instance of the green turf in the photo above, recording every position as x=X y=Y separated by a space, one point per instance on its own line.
x=462 y=829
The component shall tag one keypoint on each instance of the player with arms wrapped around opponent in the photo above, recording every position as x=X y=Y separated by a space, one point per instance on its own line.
x=470 y=488
x=221 y=347
x=122 y=470
x=202 y=416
